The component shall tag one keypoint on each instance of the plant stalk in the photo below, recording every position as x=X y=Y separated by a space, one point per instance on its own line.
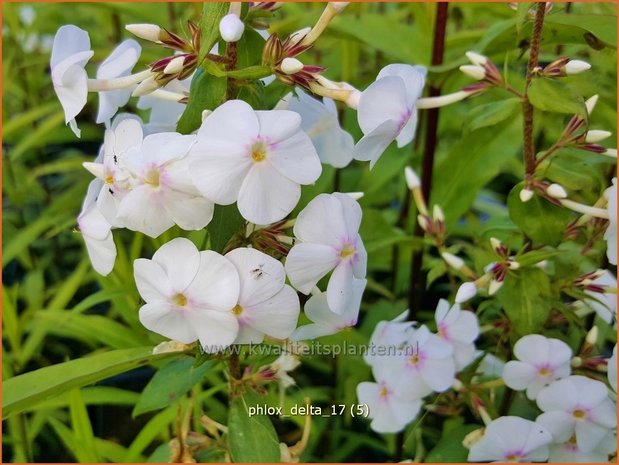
x=527 y=108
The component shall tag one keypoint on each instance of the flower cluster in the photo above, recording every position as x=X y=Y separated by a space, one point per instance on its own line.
x=415 y=363
x=578 y=419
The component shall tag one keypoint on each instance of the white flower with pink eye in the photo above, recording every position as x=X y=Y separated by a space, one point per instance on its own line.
x=389 y=410
x=611 y=232
x=259 y=159
x=541 y=361
x=189 y=295
x=459 y=328
x=568 y=452
x=97 y=232
x=387 y=110
x=119 y=64
x=424 y=365
x=578 y=406
x=326 y=322
x=327 y=231
x=161 y=193
x=320 y=121
x=70 y=53
x=266 y=305
x=512 y=439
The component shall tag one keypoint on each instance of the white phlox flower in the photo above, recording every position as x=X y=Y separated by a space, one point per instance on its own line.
x=118 y=64
x=577 y=406
x=424 y=365
x=389 y=410
x=70 y=53
x=458 y=328
x=611 y=233
x=512 y=439
x=282 y=365
x=320 y=121
x=541 y=361
x=266 y=305
x=568 y=452
x=147 y=183
x=257 y=158
x=327 y=232
x=387 y=110
x=189 y=295
x=326 y=322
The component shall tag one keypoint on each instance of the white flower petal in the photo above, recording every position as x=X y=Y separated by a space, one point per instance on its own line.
x=295 y=157
x=407 y=133
x=261 y=276
x=170 y=322
x=180 y=260
x=140 y=210
x=277 y=316
x=234 y=121
x=249 y=335
x=339 y=289
x=68 y=41
x=532 y=348
x=102 y=253
x=439 y=374
x=216 y=285
x=266 y=196
x=322 y=221
x=215 y=330
x=307 y=263
x=383 y=100
x=166 y=146
x=589 y=435
x=312 y=331
x=560 y=424
x=188 y=212
x=372 y=145
x=518 y=375
x=278 y=125
x=151 y=281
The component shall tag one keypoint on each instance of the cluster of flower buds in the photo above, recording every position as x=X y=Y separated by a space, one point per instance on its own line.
x=280 y=56
x=178 y=66
x=588 y=281
x=563 y=67
x=259 y=13
x=433 y=225
x=271 y=239
x=498 y=270
x=482 y=69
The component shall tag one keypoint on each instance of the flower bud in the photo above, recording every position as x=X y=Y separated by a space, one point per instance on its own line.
x=291 y=66
x=556 y=191
x=412 y=180
x=296 y=37
x=496 y=244
x=526 y=195
x=592 y=336
x=597 y=135
x=144 y=31
x=474 y=71
x=452 y=260
x=145 y=87
x=494 y=286
x=513 y=265
x=206 y=114
x=576 y=67
x=576 y=362
x=465 y=292
x=355 y=195
x=231 y=28
x=610 y=153
x=437 y=214
x=590 y=103
x=476 y=58
x=175 y=66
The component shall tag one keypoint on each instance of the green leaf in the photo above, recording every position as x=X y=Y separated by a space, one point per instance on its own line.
x=25 y=390
x=170 y=383
x=449 y=448
x=212 y=13
x=603 y=27
x=551 y=95
x=206 y=92
x=525 y=296
x=539 y=219
x=534 y=257
x=251 y=439
x=491 y=113
x=522 y=11
x=226 y=222
x=84 y=446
